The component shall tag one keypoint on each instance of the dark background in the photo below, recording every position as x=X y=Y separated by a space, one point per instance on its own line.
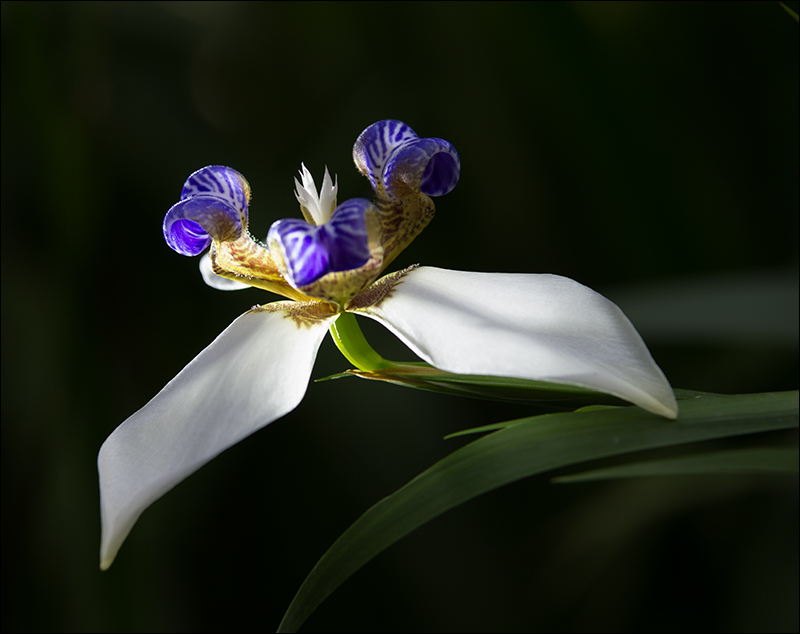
x=649 y=150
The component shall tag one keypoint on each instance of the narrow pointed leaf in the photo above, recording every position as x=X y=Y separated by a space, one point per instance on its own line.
x=533 y=446
x=791 y=13
x=679 y=393
x=753 y=460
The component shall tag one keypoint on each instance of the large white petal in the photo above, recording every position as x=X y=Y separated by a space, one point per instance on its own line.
x=256 y=371
x=538 y=327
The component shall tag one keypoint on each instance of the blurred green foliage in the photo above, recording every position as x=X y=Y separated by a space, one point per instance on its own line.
x=649 y=150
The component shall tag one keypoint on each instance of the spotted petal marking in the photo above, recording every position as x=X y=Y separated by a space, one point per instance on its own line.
x=310 y=252
x=391 y=155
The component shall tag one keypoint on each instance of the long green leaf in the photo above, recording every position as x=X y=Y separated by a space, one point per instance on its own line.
x=791 y=13
x=753 y=460
x=529 y=447
x=680 y=394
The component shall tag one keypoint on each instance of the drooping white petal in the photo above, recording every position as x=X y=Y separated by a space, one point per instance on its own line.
x=217 y=281
x=256 y=371
x=537 y=327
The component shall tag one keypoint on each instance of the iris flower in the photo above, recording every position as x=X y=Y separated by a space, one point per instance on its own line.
x=329 y=266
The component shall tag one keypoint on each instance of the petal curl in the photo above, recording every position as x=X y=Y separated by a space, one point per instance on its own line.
x=310 y=252
x=396 y=161
x=214 y=205
x=431 y=166
x=256 y=371
x=222 y=182
x=376 y=144
x=191 y=224
x=537 y=327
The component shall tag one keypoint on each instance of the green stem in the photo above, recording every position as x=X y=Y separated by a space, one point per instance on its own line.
x=350 y=340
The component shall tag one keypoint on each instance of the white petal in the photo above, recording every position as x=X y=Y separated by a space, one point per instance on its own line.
x=256 y=371
x=306 y=194
x=538 y=327
x=217 y=281
x=327 y=196
x=319 y=205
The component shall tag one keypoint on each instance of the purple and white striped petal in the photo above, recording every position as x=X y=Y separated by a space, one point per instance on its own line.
x=310 y=252
x=375 y=146
x=391 y=155
x=430 y=165
x=213 y=205
x=222 y=182
x=191 y=224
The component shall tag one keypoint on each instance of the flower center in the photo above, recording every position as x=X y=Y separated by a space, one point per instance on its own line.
x=338 y=251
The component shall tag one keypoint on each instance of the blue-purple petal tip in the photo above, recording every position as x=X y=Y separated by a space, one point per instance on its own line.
x=222 y=182
x=342 y=244
x=391 y=155
x=213 y=205
x=185 y=236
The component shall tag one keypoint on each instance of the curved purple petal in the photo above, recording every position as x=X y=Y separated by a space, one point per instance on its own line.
x=339 y=245
x=442 y=172
x=190 y=225
x=186 y=237
x=346 y=235
x=221 y=182
x=432 y=165
x=375 y=146
x=305 y=258
x=394 y=158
